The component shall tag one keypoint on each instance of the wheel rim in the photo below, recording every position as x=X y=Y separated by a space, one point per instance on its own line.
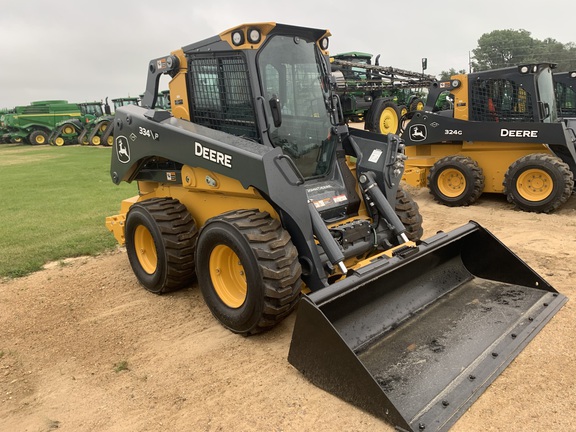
x=103 y=127
x=534 y=185
x=420 y=106
x=228 y=276
x=110 y=140
x=39 y=139
x=388 y=121
x=145 y=249
x=59 y=141
x=451 y=183
x=96 y=140
x=68 y=130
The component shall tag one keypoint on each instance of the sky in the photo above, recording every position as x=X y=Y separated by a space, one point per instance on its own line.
x=82 y=51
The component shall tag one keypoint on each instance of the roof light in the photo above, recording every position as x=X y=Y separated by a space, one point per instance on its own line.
x=324 y=42
x=237 y=38
x=573 y=74
x=524 y=69
x=254 y=35
x=455 y=83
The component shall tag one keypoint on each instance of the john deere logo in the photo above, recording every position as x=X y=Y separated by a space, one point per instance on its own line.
x=418 y=132
x=122 y=149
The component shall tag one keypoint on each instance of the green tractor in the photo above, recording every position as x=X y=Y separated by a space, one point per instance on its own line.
x=34 y=123
x=106 y=134
x=163 y=101
x=93 y=130
x=68 y=131
x=377 y=95
x=3 y=112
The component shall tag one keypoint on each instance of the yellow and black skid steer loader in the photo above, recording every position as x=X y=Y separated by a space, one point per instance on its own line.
x=254 y=187
x=493 y=131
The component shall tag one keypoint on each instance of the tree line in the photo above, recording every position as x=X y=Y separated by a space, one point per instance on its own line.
x=504 y=48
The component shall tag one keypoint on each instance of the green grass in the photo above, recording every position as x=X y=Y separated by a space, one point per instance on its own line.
x=121 y=366
x=53 y=204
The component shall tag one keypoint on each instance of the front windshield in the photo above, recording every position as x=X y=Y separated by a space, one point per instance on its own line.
x=291 y=74
x=95 y=110
x=547 y=94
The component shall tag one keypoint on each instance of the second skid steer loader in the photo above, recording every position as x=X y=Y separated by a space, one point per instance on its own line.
x=501 y=134
x=254 y=186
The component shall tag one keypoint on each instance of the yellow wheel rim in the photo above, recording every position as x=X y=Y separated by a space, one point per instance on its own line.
x=103 y=127
x=228 y=276
x=96 y=140
x=388 y=121
x=39 y=139
x=67 y=130
x=84 y=141
x=403 y=111
x=451 y=183
x=420 y=106
x=110 y=140
x=145 y=249
x=59 y=141
x=534 y=185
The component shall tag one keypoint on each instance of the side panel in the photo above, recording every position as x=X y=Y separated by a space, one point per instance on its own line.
x=206 y=194
x=493 y=158
x=146 y=139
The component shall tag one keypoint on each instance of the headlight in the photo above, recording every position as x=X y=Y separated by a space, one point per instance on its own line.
x=254 y=35
x=238 y=38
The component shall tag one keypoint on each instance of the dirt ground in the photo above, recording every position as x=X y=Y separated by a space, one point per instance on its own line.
x=84 y=348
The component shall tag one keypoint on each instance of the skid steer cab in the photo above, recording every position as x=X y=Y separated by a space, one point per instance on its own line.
x=254 y=188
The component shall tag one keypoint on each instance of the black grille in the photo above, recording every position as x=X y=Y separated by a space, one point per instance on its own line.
x=500 y=100
x=221 y=96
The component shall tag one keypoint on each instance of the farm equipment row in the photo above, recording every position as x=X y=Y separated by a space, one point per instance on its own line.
x=377 y=95
x=58 y=122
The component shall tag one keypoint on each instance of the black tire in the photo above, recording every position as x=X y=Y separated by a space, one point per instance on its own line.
x=67 y=129
x=38 y=137
x=538 y=183
x=383 y=117
x=58 y=141
x=95 y=140
x=417 y=104
x=403 y=110
x=161 y=241
x=456 y=181
x=248 y=270
x=409 y=213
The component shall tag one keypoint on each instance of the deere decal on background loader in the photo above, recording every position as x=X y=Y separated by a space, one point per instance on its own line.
x=254 y=186
x=502 y=135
